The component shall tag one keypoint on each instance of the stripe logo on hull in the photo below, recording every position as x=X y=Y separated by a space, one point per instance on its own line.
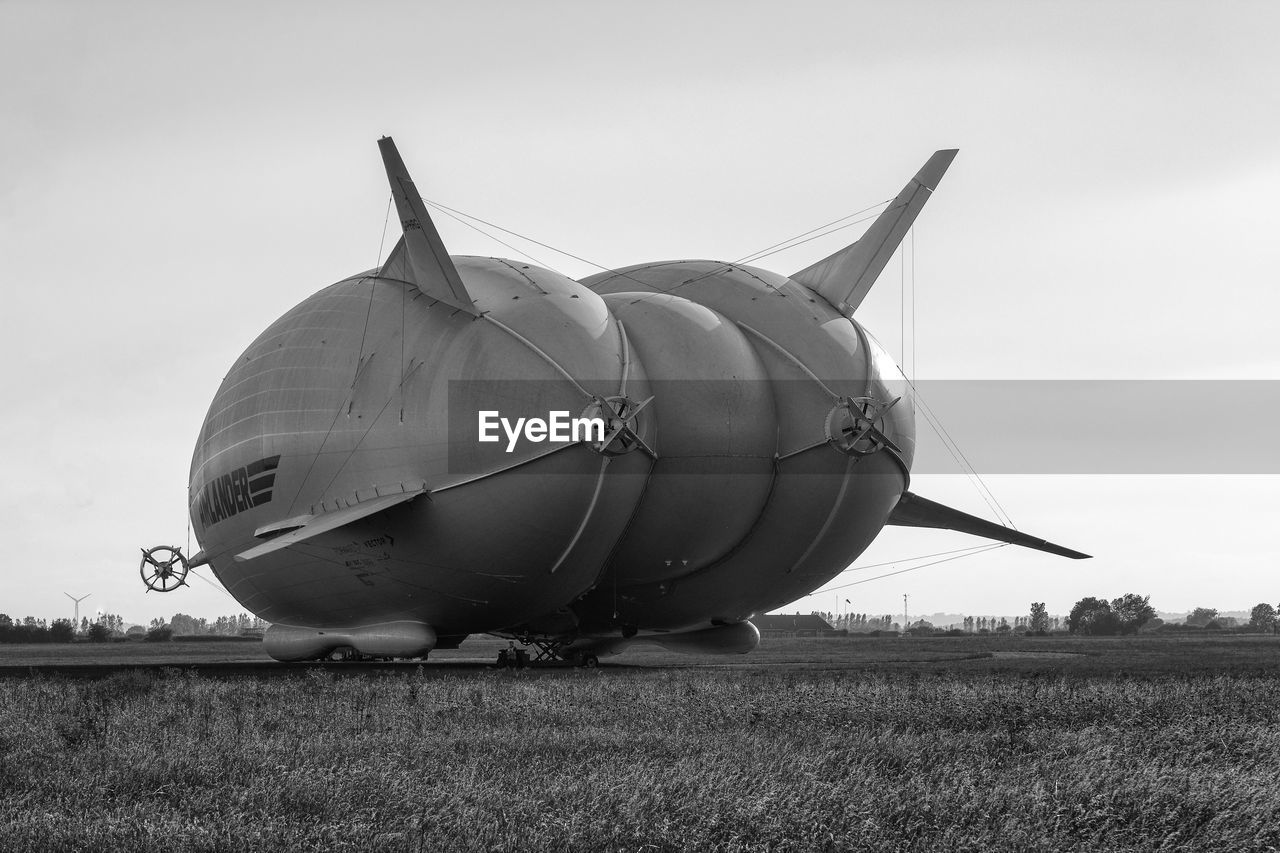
x=236 y=491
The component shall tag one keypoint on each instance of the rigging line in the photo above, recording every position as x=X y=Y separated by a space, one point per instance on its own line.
x=360 y=441
x=915 y=368
x=449 y=214
x=219 y=587
x=910 y=560
x=721 y=266
x=755 y=256
x=373 y=286
x=404 y=291
x=993 y=547
x=383 y=241
x=999 y=508
x=935 y=423
x=745 y=258
x=448 y=209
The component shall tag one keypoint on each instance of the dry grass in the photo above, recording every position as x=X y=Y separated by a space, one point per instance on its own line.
x=638 y=759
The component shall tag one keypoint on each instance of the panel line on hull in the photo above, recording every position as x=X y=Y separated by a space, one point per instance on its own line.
x=624 y=347
x=790 y=357
x=586 y=516
x=372 y=423
x=361 y=365
x=306 y=549
x=836 y=506
x=538 y=351
x=607 y=564
x=472 y=478
x=747 y=535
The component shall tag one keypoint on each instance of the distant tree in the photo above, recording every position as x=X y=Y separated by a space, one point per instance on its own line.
x=1092 y=616
x=5 y=621
x=159 y=633
x=1132 y=612
x=99 y=633
x=921 y=628
x=1201 y=616
x=183 y=624
x=1262 y=617
x=62 y=631
x=1039 y=620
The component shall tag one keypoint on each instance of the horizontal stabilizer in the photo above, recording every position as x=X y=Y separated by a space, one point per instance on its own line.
x=915 y=511
x=304 y=528
x=845 y=278
x=430 y=265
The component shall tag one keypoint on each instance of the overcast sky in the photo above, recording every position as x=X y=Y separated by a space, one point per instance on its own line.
x=174 y=177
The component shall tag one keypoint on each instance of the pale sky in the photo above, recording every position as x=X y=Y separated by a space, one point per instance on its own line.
x=174 y=177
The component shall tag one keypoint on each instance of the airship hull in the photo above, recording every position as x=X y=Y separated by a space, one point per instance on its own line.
x=367 y=390
x=744 y=440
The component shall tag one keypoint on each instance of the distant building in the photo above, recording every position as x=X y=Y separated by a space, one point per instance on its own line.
x=792 y=625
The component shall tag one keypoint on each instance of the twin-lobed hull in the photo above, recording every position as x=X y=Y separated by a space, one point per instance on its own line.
x=751 y=441
x=732 y=502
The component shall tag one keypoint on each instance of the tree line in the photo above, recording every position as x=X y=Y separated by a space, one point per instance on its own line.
x=111 y=626
x=1132 y=613
x=1090 y=616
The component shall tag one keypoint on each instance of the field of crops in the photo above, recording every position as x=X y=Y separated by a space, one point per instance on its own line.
x=1020 y=750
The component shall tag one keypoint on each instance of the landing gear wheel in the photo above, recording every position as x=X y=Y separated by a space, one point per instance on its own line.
x=163 y=568
x=590 y=661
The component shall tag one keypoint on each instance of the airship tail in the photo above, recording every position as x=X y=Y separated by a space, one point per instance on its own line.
x=915 y=511
x=845 y=278
x=421 y=255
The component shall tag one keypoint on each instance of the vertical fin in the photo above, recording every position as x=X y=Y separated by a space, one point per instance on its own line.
x=845 y=278
x=915 y=511
x=431 y=267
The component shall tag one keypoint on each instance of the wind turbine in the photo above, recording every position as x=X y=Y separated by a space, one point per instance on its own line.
x=76 y=623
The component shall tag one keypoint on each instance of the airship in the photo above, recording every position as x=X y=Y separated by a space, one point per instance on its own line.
x=454 y=445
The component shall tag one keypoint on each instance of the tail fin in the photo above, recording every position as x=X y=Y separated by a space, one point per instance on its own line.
x=430 y=265
x=845 y=278
x=915 y=511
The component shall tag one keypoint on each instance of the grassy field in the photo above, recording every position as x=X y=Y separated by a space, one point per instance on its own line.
x=981 y=744
x=1149 y=654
